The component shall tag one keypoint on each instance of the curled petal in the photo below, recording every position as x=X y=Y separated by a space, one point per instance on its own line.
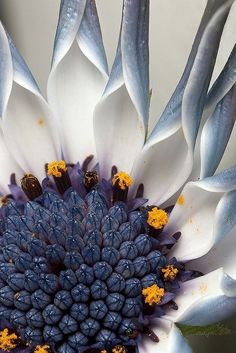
x=123 y=109
x=223 y=253
x=171 y=339
x=205 y=300
x=203 y=215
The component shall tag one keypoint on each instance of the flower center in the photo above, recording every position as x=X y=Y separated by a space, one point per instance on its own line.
x=80 y=266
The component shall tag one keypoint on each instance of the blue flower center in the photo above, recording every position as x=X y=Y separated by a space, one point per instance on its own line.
x=73 y=268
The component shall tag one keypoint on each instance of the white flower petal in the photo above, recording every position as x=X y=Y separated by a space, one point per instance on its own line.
x=223 y=254
x=171 y=339
x=205 y=300
x=159 y=167
x=6 y=70
x=122 y=114
x=78 y=77
x=8 y=166
x=203 y=215
x=27 y=120
x=216 y=133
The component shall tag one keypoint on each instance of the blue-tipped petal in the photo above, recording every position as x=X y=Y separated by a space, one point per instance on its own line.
x=170 y=119
x=33 y=109
x=224 y=82
x=128 y=83
x=6 y=70
x=78 y=56
x=170 y=177
x=135 y=56
x=216 y=133
x=199 y=79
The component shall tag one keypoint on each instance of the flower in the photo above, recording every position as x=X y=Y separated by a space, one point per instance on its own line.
x=92 y=259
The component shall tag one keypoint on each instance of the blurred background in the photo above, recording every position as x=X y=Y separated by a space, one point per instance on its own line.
x=32 y=24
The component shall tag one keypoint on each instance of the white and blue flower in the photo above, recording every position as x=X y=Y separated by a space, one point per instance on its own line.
x=91 y=257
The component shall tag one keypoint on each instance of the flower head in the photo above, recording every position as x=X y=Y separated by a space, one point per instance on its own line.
x=92 y=258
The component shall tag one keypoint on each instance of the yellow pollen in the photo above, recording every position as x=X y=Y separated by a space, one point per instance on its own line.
x=103 y=351
x=40 y=121
x=123 y=179
x=56 y=168
x=7 y=340
x=180 y=200
x=42 y=349
x=170 y=272
x=157 y=218
x=119 y=349
x=153 y=294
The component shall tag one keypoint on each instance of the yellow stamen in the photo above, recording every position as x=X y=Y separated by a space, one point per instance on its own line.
x=153 y=294
x=180 y=200
x=157 y=218
x=103 y=351
x=170 y=272
x=119 y=349
x=123 y=180
x=42 y=349
x=7 y=340
x=56 y=168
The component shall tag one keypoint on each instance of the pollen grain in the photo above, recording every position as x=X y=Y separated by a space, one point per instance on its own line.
x=7 y=340
x=56 y=168
x=157 y=218
x=122 y=180
x=153 y=294
x=180 y=200
x=170 y=272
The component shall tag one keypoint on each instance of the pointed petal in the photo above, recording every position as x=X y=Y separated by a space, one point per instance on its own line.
x=171 y=116
x=161 y=169
x=123 y=109
x=216 y=133
x=203 y=215
x=170 y=337
x=78 y=77
x=224 y=82
x=27 y=121
x=205 y=300
x=6 y=70
x=70 y=17
x=200 y=75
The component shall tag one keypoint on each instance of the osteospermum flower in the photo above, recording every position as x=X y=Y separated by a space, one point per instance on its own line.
x=91 y=259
